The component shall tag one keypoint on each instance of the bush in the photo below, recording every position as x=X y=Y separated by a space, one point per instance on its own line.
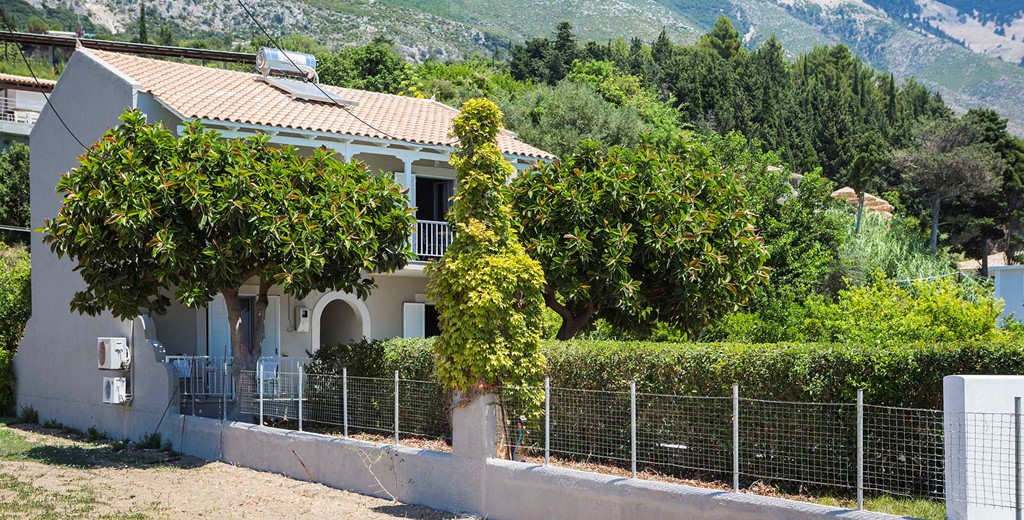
x=15 y=295
x=907 y=376
x=883 y=313
x=6 y=382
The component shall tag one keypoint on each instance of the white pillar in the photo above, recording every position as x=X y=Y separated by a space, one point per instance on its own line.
x=408 y=181
x=979 y=446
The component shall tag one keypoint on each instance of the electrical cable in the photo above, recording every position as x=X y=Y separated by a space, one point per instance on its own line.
x=10 y=29
x=316 y=84
x=15 y=228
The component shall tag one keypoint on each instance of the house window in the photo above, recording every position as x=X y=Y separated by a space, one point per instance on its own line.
x=420 y=320
x=218 y=329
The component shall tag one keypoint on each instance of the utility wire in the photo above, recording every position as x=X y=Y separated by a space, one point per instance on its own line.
x=10 y=29
x=15 y=228
x=317 y=85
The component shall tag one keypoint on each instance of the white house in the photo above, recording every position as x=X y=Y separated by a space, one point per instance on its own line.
x=56 y=364
x=1010 y=289
x=21 y=101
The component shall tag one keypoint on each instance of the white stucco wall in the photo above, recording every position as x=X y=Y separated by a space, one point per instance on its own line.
x=1010 y=289
x=56 y=366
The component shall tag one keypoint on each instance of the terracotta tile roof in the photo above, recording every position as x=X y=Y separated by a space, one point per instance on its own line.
x=194 y=91
x=12 y=81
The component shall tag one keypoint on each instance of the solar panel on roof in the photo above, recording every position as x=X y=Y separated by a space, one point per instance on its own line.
x=307 y=91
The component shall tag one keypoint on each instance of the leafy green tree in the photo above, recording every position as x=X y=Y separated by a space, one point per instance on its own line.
x=638 y=236
x=869 y=159
x=197 y=215
x=557 y=118
x=949 y=162
x=486 y=289
x=143 y=34
x=14 y=196
x=37 y=25
x=374 y=67
x=723 y=39
x=15 y=296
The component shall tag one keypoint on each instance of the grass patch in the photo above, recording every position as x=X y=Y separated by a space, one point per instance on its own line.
x=901 y=506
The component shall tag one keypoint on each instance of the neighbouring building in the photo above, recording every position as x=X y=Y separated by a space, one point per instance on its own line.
x=21 y=101
x=1010 y=289
x=56 y=365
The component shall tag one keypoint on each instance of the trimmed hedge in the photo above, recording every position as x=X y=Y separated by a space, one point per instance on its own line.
x=907 y=376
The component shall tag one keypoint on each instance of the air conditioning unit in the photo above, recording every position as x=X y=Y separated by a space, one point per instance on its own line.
x=112 y=353
x=115 y=390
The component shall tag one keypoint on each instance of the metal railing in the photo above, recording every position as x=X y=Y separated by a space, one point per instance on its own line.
x=432 y=238
x=385 y=408
x=14 y=112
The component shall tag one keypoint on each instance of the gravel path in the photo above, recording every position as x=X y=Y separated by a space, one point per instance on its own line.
x=47 y=473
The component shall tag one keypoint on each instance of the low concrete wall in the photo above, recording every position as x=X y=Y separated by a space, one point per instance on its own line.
x=493 y=488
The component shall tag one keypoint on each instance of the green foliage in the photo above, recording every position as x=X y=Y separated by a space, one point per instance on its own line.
x=893 y=247
x=6 y=382
x=723 y=39
x=375 y=67
x=637 y=236
x=14 y=201
x=907 y=375
x=486 y=289
x=559 y=118
x=28 y=415
x=94 y=435
x=880 y=314
x=149 y=441
x=15 y=295
x=199 y=214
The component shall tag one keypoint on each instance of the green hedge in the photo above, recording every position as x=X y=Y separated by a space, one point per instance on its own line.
x=907 y=376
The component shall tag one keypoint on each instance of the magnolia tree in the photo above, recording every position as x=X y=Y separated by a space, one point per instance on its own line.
x=486 y=289
x=149 y=216
x=640 y=235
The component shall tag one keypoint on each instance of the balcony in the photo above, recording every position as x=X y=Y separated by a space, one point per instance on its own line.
x=432 y=239
x=16 y=117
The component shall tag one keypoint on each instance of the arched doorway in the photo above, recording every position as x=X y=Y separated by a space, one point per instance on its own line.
x=339 y=318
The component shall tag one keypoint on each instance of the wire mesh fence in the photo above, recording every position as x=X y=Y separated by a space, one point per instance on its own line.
x=347 y=405
x=833 y=449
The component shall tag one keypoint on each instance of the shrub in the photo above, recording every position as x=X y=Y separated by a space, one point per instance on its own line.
x=903 y=375
x=15 y=296
x=6 y=382
x=28 y=415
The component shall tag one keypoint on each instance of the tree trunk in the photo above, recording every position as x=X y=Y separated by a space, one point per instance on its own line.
x=860 y=211
x=259 y=320
x=934 y=241
x=241 y=359
x=571 y=323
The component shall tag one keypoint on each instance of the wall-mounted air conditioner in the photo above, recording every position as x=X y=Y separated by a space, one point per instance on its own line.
x=113 y=353
x=115 y=390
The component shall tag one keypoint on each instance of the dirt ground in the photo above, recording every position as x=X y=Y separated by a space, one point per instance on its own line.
x=47 y=473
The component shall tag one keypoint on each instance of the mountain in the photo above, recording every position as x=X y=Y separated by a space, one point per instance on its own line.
x=972 y=52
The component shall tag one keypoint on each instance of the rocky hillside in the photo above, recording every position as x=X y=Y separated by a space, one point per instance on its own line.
x=969 y=51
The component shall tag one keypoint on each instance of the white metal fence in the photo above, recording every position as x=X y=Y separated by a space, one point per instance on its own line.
x=206 y=384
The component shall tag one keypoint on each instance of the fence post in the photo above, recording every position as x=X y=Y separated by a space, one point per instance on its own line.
x=736 y=438
x=301 y=370
x=259 y=373
x=1017 y=456
x=860 y=448
x=224 y=393
x=632 y=424
x=547 y=420
x=396 y=407
x=344 y=400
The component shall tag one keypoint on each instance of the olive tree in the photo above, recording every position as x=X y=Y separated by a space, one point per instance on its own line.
x=640 y=235
x=148 y=216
